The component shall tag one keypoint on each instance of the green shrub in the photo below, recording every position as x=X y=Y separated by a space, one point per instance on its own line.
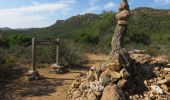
x=7 y=65
x=21 y=40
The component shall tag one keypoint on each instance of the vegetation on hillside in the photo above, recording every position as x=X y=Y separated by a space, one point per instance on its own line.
x=148 y=29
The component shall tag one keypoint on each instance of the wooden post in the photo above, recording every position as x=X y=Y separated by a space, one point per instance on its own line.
x=57 y=52
x=33 y=54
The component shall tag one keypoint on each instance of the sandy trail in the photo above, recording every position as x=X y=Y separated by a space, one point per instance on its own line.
x=53 y=87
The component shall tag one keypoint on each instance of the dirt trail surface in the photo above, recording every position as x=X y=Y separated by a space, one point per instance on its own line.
x=96 y=59
x=52 y=87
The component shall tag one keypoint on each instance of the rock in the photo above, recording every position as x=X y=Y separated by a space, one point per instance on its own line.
x=160 y=60
x=167 y=77
x=76 y=84
x=33 y=75
x=136 y=96
x=123 y=6
x=97 y=93
x=137 y=51
x=90 y=76
x=152 y=97
x=82 y=98
x=104 y=80
x=162 y=81
x=110 y=93
x=83 y=85
x=76 y=94
x=113 y=66
x=157 y=68
x=141 y=96
x=164 y=87
x=96 y=86
x=167 y=69
x=123 y=15
x=73 y=90
x=106 y=73
x=121 y=94
x=146 y=98
x=109 y=76
x=92 y=96
x=156 y=89
x=141 y=58
x=145 y=82
x=121 y=83
x=124 y=73
x=115 y=75
x=122 y=22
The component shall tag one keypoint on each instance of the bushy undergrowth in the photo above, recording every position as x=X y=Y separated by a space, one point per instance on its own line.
x=16 y=53
x=7 y=65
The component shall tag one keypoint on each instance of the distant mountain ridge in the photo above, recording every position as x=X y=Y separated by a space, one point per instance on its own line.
x=5 y=28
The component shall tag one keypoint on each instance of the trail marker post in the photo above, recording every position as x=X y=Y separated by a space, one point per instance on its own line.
x=33 y=74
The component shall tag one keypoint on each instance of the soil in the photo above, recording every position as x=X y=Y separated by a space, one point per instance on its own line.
x=51 y=87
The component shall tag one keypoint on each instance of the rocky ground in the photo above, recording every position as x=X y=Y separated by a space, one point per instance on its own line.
x=147 y=78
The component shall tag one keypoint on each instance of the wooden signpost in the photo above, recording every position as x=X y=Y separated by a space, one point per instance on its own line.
x=43 y=42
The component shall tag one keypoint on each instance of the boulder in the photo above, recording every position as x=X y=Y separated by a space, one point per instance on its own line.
x=164 y=87
x=97 y=93
x=76 y=84
x=96 y=86
x=167 y=69
x=115 y=75
x=33 y=75
x=167 y=77
x=123 y=15
x=109 y=76
x=114 y=66
x=156 y=89
x=91 y=96
x=137 y=51
x=76 y=94
x=160 y=60
x=141 y=58
x=162 y=81
x=104 y=80
x=84 y=85
x=110 y=93
x=122 y=22
x=123 y=6
x=124 y=73
x=121 y=83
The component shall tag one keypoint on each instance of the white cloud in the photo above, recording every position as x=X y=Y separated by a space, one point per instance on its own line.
x=91 y=9
x=109 y=5
x=33 y=15
x=163 y=1
x=93 y=2
x=100 y=7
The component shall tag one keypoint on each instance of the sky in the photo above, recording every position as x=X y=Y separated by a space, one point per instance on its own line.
x=43 y=13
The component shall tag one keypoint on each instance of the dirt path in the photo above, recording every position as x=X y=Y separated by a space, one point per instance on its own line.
x=53 y=87
x=96 y=59
x=60 y=83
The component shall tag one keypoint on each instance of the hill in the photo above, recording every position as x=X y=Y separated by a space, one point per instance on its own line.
x=148 y=29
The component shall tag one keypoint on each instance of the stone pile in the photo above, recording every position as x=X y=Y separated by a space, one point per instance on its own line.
x=33 y=75
x=148 y=79
x=126 y=75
